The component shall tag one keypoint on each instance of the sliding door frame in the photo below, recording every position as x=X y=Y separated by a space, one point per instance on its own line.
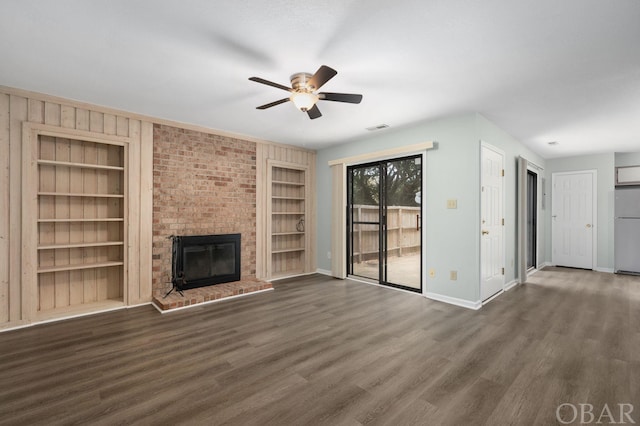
x=533 y=173
x=381 y=221
x=382 y=165
x=339 y=200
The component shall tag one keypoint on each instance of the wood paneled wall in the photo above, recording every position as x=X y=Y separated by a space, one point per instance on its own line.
x=287 y=154
x=18 y=107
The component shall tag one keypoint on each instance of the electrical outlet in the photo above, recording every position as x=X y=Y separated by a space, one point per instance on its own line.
x=453 y=275
x=432 y=273
x=452 y=204
x=328 y=255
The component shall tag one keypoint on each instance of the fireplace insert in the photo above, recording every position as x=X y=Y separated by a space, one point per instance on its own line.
x=202 y=260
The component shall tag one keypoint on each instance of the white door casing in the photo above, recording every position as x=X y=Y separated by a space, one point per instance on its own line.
x=491 y=221
x=573 y=219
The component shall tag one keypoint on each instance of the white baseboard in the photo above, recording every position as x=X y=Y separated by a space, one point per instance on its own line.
x=138 y=305
x=208 y=302
x=433 y=296
x=454 y=301
x=508 y=286
x=324 y=272
x=511 y=284
x=290 y=276
x=495 y=296
x=597 y=269
x=79 y=315
x=18 y=326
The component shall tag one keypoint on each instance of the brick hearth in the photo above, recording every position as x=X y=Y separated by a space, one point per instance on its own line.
x=209 y=293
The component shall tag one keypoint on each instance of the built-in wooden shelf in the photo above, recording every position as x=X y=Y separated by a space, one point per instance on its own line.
x=288 y=198
x=80 y=245
x=78 y=165
x=290 y=250
x=59 y=268
x=80 y=183
x=288 y=247
x=392 y=228
x=283 y=182
x=76 y=194
x=106 y=219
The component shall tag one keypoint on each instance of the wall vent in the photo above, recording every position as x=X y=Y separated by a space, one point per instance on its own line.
x=378 y=127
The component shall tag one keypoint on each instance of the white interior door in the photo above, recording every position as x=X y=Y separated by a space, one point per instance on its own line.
x=491 y=222
x=572 y=221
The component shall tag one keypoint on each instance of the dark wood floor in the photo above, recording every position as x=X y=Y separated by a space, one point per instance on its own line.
x=324 y=351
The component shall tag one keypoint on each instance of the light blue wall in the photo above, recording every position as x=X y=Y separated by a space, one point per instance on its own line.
x=605 y=166
x=452 y=172
x=627 y=159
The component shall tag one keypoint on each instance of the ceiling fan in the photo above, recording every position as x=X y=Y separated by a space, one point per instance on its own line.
x=303 y=91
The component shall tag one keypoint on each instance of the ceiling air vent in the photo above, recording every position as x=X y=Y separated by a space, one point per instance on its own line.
x=378 y=127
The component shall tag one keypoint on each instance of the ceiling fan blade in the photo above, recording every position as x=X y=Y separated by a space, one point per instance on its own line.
x=314 y=112
x=350 y=98
x=321 y=76
x=272 y=104
x=270 y=83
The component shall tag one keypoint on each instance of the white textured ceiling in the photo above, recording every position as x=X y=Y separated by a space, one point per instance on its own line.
x=543 y=70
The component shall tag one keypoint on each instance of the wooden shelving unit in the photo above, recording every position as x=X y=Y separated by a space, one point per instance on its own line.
x=80 y=225
x=288 y=245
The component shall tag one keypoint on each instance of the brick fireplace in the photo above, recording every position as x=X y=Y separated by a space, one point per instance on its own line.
x=202 y=184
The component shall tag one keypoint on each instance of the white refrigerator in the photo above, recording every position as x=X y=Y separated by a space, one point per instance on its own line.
x=627 y=230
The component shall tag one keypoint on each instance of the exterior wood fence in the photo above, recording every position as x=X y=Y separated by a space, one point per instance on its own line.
x=403 y=232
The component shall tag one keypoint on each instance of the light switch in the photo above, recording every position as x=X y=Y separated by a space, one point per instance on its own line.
x=452 y=204
x=453 y=275
x=432 y=273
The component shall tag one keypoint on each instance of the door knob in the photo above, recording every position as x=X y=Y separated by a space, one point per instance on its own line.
x=485 y=232
x=588 y=225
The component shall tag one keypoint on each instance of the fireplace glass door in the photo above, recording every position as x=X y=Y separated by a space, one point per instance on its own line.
x=203 y=260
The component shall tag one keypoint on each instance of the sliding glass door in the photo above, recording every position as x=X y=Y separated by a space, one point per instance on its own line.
x=365 y=215
x=385 y=221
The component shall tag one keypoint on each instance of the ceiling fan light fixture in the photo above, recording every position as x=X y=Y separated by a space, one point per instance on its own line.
x=303 y=88
x=304 y=101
